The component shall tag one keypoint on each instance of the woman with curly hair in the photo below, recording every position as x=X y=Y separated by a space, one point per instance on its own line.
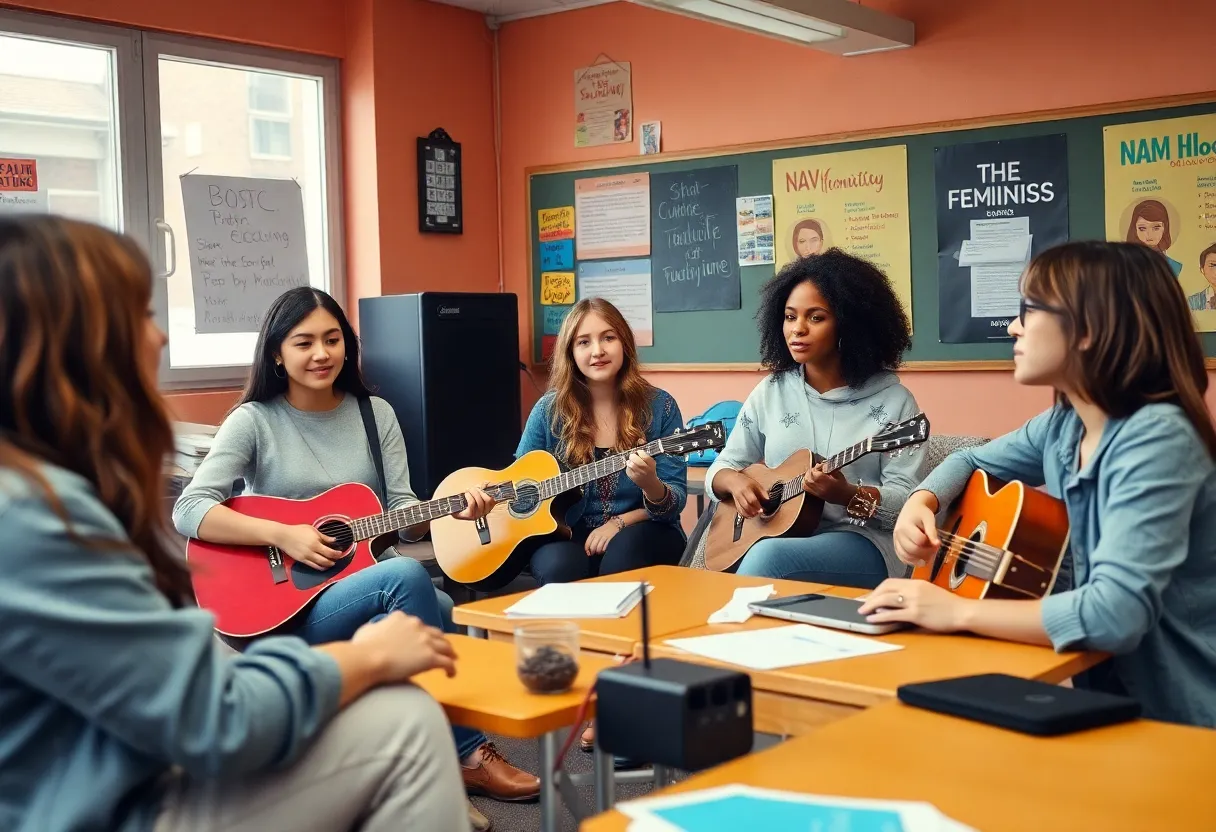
x=831 y=333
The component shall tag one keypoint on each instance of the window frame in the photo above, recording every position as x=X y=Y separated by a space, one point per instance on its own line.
x=138 y=132
x=239 y=56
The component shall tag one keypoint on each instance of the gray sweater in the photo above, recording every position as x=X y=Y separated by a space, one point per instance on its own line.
x=104 y=686
x=284 y=452
x=784 y=414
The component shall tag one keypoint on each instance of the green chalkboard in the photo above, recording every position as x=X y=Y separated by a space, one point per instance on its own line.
x=729 y=337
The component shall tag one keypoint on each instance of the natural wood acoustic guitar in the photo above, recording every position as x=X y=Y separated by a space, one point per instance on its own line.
x=789 y=511
x=1000 y=540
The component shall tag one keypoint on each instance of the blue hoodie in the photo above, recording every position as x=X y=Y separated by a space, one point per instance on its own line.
x=784 y=414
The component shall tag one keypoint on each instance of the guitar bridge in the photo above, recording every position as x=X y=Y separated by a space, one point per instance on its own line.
x=277 y=570
x=482 y=525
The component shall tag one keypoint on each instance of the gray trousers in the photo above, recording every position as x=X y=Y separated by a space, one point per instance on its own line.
x=386 y=762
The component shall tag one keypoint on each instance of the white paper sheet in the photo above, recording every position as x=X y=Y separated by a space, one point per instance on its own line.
x=779 y=647
x=736 y=611
x=579 y=600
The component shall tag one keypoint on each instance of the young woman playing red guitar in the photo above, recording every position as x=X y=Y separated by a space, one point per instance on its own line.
x=297 y=432
x=121 y=710
x=1129 y=448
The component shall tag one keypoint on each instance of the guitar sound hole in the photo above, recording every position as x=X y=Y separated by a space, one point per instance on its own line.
x=769 y=506
x=527 y=498
x=305 y=577
x=960 y=563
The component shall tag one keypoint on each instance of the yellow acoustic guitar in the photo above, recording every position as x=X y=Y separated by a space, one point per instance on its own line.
x=534 y=496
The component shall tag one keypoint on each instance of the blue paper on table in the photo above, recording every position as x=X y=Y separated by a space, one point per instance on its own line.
x=743 y=812
x=556 y=254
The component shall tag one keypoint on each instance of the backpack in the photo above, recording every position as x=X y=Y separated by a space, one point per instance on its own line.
x=726 y=413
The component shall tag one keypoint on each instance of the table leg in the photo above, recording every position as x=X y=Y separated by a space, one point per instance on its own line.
x=605 y=781
x=700 y=504
x=550 y=805
x=663 y=776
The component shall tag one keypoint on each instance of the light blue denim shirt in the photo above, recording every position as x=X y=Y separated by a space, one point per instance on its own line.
x=617 y=494
x=104 y=687
x=1143 y=546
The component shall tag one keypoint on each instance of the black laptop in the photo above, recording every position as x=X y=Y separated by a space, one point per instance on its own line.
x=1020 y=704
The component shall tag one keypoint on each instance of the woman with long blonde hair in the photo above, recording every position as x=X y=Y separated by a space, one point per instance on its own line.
x=1129 y=448
x=598 y=404
x=121 y=710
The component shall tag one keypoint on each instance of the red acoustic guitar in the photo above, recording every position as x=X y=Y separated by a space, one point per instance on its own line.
x=254 y=589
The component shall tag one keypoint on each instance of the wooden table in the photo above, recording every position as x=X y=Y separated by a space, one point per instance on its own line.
x=487 y=695
x=1138 y=776
x=795 y=700
x=681 y=599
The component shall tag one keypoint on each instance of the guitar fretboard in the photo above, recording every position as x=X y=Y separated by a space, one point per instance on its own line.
x=584 y=474
x=366 y=528
x=794 y=487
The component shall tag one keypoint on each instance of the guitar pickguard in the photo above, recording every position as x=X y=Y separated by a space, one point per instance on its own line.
x=304 y=576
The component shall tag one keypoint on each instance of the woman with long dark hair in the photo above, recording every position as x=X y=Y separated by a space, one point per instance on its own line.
x=296 y=432
x=121 y=710
x=1129 y=448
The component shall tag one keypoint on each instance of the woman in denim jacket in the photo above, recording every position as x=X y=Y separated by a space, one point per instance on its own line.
x=1129 y=449
x=599 y=404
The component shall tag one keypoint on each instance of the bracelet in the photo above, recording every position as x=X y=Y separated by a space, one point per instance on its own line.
x=620 y=524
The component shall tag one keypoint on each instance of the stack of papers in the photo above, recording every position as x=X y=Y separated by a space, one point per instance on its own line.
x=579 y=600
x=779 y=647
x=192 y=442
x=738 y=807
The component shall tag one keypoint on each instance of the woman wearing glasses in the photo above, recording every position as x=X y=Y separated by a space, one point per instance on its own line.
x=1129 y=448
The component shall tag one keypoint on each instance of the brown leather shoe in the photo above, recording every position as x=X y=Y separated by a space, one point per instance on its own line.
x=495 y=778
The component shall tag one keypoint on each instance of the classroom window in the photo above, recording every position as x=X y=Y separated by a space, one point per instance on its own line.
x=58 y=104
x=117 y=116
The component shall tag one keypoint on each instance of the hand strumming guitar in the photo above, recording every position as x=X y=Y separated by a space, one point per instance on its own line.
x=831 y=488
x=305 y=544
x=915 y=534
x=747 y=494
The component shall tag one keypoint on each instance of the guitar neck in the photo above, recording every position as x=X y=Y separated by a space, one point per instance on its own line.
x=583 y=474
x=794 y=487
x=366 y=528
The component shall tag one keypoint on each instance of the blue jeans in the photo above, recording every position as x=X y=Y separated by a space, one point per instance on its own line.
x=833 y=558
x=394 y=584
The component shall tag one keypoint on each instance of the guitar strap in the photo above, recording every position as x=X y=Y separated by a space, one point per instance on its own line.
x=373 y=444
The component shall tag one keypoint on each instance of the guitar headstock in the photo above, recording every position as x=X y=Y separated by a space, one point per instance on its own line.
x=895 y=437
x=710 y=436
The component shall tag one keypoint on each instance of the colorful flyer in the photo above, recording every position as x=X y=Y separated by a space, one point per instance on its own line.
x=1161 y=192
x=626 y=285
x=555 y=316
x=856 y=200
x=556 y=288
x=603 y=104
x=555 y=223
x=557 y=254
x=754 y=217
x=19 y=188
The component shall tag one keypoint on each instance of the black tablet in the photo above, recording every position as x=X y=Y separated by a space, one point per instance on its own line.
x=1020 y=704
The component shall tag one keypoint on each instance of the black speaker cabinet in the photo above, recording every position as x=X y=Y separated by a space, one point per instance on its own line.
x=448 y=363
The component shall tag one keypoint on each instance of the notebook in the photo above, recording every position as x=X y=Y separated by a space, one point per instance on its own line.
x=1024 y=705
x=578 y=600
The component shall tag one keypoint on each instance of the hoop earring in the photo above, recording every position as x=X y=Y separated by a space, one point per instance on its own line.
x=840 y=344
x=278 y=367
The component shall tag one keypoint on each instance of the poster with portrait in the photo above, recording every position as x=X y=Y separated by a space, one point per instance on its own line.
x=998 y=204
x=856 y=200
x=1161 y=191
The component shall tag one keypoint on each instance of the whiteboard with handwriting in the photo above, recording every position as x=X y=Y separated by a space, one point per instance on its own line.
x=246 y=247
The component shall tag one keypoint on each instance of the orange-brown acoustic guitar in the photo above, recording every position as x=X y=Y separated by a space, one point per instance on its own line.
x=789 y=511
x=1000 y=540
x=534 y=495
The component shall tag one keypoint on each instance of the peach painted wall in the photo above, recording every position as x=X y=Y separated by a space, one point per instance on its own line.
x=712 y=86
